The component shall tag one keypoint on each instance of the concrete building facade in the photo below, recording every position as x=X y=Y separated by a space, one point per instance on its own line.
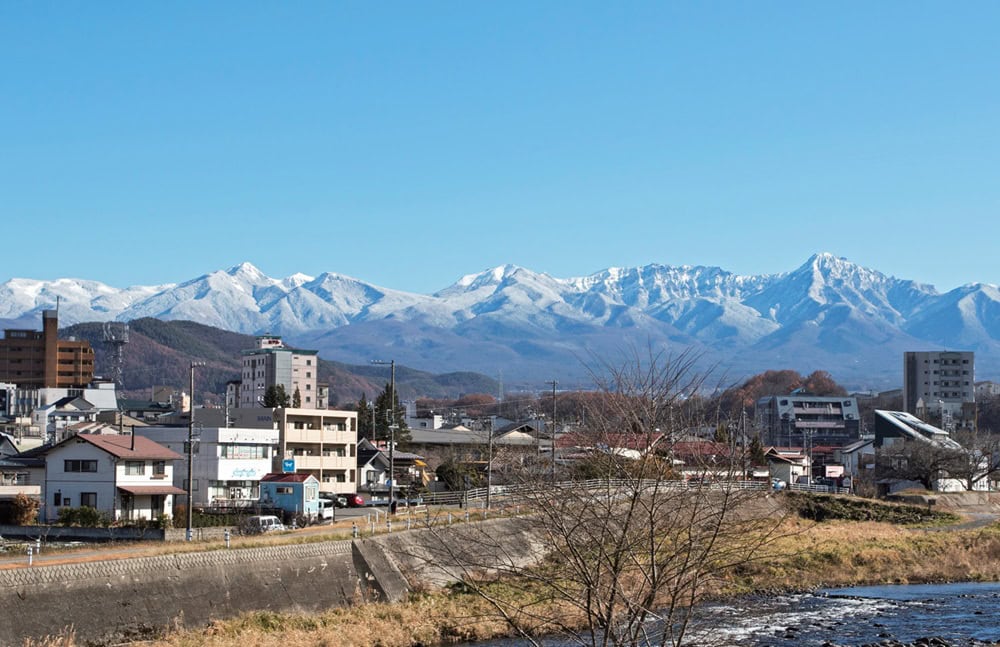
x=270 y=364
x=803 y=420
x=940 y=385
x=229 y=462
x=39 y=359
x=321 y=443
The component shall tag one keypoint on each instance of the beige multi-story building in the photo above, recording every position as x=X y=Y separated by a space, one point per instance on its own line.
x=940 y=385
x=271 y=363
x=321 y=443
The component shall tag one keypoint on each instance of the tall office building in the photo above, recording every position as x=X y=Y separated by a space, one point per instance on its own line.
x=272 y=363
x=940 y=386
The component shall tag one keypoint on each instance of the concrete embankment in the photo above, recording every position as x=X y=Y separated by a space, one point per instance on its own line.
x=109 y=602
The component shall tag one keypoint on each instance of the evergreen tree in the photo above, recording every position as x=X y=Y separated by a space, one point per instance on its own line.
x=756 y=451
x=364 y=408
x=382 y=417
x=297 y=399
x=275 y=397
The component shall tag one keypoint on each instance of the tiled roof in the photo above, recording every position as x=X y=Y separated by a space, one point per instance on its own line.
x=128 y=446
x=284 y=478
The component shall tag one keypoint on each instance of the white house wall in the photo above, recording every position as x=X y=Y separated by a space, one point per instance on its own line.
x=72 y=485
x=209 y=465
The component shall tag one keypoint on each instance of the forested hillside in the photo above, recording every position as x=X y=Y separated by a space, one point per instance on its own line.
x=161 y=352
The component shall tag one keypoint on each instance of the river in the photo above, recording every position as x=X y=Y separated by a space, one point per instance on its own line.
x=956 y=614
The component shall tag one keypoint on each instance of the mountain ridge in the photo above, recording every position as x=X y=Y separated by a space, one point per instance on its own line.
x=828 y=313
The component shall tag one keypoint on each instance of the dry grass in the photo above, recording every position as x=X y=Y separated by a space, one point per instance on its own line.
x=808 y=555
x=849 y=553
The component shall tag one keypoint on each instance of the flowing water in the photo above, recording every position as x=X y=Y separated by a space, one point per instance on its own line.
x=955 y=614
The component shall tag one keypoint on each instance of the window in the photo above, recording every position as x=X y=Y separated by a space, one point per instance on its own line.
x=243 y=452
x=159 y=468
x=79 y=466
x=283 y=489
x=135 y=468
x=88 y=499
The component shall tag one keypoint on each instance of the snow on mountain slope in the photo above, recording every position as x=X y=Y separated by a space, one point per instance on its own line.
x=828 y=307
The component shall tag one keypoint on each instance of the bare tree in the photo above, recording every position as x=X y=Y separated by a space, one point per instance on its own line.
x=922 y=462
x=629 y=556
x=978 y=460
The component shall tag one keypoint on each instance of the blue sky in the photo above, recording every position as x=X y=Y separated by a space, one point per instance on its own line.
x=408 y=144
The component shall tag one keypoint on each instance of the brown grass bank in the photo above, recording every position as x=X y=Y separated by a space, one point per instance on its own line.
x=809 y=555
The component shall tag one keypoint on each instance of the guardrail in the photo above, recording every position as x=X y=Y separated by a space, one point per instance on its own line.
x=477 y=495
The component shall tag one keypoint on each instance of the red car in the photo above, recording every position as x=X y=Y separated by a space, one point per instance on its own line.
x=355 y=501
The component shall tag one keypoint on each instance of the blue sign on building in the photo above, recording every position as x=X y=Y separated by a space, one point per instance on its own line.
x=288 y=465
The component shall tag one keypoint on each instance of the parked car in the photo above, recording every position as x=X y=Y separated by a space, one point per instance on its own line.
x=326 y=509
x=339 y=500
x=262 y=523
x=355 y=500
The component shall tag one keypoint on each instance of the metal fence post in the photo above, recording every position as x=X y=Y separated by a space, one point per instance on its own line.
x=30 y=556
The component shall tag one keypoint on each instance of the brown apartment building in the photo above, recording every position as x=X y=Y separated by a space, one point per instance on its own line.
x=33 y=359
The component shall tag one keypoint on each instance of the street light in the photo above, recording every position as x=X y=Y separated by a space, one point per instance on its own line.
x=392 y=424
x=190 y=457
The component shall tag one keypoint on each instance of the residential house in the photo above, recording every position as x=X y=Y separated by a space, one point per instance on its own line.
x=374 y=465
x=707 y=460
x=295 y=494
x=900 y=426
x=126 y=477
x=788 y=464
x=858 y=459
x=53 y=419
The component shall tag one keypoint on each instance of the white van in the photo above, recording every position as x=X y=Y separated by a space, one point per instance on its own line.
x=263 y=523
x=326 y=509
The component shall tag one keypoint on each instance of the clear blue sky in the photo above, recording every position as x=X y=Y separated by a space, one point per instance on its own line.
x=409 y=143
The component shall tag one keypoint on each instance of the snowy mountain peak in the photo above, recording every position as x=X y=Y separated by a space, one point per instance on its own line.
x=828 y=313
x=247 y=272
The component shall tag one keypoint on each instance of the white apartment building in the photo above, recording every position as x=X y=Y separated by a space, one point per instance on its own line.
x=229 y=462
x=321 y=443
x=941 y=385
x=271 y=363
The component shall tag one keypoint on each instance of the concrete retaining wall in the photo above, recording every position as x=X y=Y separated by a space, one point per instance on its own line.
x=111 y=602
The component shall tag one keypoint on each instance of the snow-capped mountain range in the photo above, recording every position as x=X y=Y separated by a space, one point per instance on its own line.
x=828 y=314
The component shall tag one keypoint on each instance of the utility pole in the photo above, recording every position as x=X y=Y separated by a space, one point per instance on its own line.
x=489 y=468
x=190 y=457
x=392 y=425
x=552 y=435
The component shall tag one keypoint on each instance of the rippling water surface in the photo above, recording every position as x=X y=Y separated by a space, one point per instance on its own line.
x=958 y=613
